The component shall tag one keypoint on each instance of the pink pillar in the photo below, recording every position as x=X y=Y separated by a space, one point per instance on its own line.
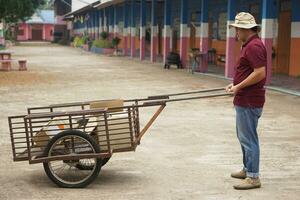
x=142 y=42
x=167 y=40
x=204 y=47
x=230 y=51
x=132 y=42
x=154 y=41
x=184 y=40
x=125 y=37
x=44 y=31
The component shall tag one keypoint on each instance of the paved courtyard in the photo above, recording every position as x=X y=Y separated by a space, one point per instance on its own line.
x=188 y=153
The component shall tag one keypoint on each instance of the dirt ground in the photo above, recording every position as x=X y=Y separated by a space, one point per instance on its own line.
x=188 y=153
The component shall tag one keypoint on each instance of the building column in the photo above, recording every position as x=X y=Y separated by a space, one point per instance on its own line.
x=295 y=40
x=167 y=29
x=105 y=20
x=184 y=32
x=93 y=24
x=154 y=32
x=29 y=32
x=44 y=31
x=26 y=32
x=231 y=40
x=116 y=28
x=133 y=28
x=88 y=24
x=125 y=30
x=96 y=24
x=100 y=22
x=204 y=36
x=142 y=29
x=111 y=22
x=268 y=17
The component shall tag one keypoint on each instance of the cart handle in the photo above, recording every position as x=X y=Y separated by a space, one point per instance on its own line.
x=185 y=99
x=167 y=96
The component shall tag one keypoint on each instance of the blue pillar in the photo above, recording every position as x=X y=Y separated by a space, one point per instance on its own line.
x=111 y=21
x=231 y=39
x=102 y=17
x=167 y=29
x=106 y=16
x=115 y=21
x=94 y=23
x=98 y=24
x=154 y=32
x=133 y=28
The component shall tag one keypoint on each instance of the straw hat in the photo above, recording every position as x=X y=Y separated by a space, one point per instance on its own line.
x=244 y=20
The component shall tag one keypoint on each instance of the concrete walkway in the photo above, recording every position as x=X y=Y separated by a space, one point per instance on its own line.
x=187 y=154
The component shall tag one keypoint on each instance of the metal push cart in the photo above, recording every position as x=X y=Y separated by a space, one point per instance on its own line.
x=74 y=145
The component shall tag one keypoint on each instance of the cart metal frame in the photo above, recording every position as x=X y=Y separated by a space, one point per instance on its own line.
x=27 y=146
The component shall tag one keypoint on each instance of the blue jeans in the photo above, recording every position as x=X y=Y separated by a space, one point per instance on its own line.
x=246 y=128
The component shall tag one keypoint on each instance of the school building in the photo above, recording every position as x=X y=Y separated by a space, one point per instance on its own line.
x=150 y=29
x=38 y=28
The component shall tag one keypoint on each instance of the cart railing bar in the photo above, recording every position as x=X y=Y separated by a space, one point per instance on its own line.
x=60 y=114
x=81 y=112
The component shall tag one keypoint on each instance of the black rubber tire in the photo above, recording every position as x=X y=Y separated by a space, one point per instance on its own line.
x=94 y=145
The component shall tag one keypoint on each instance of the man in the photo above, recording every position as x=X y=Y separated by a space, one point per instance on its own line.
x=249 y=97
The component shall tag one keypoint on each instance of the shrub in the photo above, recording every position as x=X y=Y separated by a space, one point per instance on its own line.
x=78 y=41
x=85 y=39
x=102 y=43
x=104 y=35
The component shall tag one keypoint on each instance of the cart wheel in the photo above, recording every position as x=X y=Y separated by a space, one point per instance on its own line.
x=82 y=165
x=65 y=173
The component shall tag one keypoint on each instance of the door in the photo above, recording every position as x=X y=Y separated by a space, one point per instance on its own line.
x=37 y=32
x=284 y=39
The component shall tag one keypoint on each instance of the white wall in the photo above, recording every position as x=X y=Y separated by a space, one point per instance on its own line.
x=77 y=4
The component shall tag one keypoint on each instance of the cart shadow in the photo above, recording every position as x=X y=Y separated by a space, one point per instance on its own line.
x=115 y=177
x=106 y=177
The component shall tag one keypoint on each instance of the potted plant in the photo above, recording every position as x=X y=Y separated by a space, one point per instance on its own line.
x=104 y=35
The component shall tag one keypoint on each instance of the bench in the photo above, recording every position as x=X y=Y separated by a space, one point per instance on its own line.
x=6 y=64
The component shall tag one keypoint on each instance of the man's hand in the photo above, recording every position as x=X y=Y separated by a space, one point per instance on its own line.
x=232 y=88
x=228 y=87
x=257 y=75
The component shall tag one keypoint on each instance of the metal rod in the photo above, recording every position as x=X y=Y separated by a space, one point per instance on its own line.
x=153 y=118
x=185 y=99
x=192 y=92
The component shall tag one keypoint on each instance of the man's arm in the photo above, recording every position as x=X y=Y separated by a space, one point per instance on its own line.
x=256 y=76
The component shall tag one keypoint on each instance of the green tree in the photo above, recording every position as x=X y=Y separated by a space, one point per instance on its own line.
x=14 y=11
